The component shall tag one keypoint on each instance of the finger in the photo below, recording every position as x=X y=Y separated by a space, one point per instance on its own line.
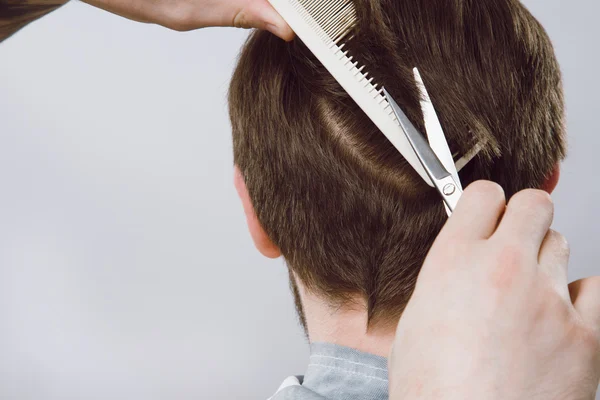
x=554 y=260
x=527 y=219
x=275 y=24
x=585 y=296
x=261 y=15
x=477 y=214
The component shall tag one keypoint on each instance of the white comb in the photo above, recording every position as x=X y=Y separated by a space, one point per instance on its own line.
x=323 y=25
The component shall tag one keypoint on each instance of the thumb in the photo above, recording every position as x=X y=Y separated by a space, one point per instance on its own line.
x=585 y=296
x=260 y=14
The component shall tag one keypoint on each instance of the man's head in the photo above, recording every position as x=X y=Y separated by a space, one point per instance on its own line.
x=326 y=188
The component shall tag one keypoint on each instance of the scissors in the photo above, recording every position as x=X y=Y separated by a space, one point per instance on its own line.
x=435 y=156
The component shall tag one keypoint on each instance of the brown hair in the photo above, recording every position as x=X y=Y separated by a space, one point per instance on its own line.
x=349 y=214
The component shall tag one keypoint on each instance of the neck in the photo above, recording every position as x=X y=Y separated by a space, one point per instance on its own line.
x=345 y=326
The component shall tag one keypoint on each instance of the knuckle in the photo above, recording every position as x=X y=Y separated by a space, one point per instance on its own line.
x=242 y=19
x=533 y=199
x=511 y=254
x=490 y=191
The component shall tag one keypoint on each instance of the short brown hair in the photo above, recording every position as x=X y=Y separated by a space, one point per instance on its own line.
x=349 y=214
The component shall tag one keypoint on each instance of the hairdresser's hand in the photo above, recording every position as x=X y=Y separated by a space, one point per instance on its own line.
x=492 y=316
x=185 y=15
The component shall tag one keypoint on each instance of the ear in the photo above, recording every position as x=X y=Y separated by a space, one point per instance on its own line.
x=552 y=180
x=261 y=240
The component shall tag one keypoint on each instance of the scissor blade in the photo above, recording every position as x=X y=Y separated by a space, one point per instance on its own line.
x=431 y=163
x=435 y=133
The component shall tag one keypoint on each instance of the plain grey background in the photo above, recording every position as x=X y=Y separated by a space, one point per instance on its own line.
x=126 y=271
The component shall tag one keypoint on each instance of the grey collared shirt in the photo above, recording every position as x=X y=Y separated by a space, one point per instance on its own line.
x=338 y=373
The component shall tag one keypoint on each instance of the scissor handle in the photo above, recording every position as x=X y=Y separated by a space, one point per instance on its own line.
x=450 y=192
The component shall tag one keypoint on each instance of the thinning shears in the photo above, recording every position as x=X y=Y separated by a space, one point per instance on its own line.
x=435 y=156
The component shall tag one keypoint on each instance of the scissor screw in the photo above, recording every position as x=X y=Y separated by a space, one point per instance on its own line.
x=449 y=189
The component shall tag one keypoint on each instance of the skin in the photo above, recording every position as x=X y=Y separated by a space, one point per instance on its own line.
x=345 y=326
x=180 y=15
x=492 y=315
x=185 y=15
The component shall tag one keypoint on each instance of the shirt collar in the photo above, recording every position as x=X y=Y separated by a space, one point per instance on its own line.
x=338 y=372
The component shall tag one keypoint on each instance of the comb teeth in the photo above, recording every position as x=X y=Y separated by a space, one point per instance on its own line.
x=334 y=21
x=335 y=17
x=325 y=26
